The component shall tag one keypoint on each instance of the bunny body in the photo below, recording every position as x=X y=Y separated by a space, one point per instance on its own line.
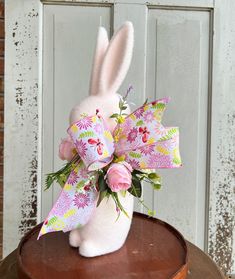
x=104 y=233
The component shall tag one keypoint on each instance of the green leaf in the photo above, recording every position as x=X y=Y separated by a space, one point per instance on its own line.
x=86 y=134
x=156 y=186
x=49 y=181
x=136 y=188
x=121 y=103
x=146 y=101
x=102 y=183
x=151 y=213
x=153 y=175
x=52 y=220
x=115 y=115
x=135 y=154
x=135 y=172
x=169 y=134
x=62 y=174
x=118 y=204
x=155 y=180
x=139 y=123
x=102 y=195
x=160 y=106
x=80 y=184
x=177 y=161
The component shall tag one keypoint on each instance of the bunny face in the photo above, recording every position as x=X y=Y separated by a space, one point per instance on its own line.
x=110 y=66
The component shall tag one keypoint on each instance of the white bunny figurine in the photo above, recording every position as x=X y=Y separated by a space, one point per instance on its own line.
x=104 y=233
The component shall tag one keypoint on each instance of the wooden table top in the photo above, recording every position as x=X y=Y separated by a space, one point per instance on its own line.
x=200 y=265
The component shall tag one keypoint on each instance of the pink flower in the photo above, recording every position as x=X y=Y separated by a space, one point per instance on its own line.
x=132 y=134
x=81 y=148
x=81 y=200
x=73 y=177
x=84 y=123
x=67 y=149
x=119 y=176
x=147 y=149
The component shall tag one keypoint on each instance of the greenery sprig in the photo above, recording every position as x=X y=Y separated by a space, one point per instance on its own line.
x=61 y=175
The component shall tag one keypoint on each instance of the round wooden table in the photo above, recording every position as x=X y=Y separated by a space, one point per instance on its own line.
x=200 y=265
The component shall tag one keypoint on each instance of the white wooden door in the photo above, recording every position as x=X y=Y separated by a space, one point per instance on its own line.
x=175 y=54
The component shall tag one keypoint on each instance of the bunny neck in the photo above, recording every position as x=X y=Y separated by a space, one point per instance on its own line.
x=107 y=105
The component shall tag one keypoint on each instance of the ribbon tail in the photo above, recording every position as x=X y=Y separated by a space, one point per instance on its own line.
x=76 y=202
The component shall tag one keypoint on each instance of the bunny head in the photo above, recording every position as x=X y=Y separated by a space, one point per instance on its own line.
x=110 y=65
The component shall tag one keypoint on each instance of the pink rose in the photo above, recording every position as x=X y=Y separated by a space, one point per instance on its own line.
x=119 y=176
x=67 y=149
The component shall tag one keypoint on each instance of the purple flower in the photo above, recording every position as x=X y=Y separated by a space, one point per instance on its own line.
x=73 y=177
x=132 y=134
x=139 y=112
x=147 y=149
x=135 y=164
x=81 y=200
x=62 y=204
x=160 y=161
x=85 y=122
x=81 y=147
x=149 y=116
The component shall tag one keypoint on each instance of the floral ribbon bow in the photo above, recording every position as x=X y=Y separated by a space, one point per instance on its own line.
x=141 y=140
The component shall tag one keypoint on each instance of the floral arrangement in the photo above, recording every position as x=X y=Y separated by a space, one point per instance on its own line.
x=104 y=164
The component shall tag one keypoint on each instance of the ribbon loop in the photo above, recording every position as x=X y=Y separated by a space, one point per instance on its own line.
x=145 y=142
x=93 y=141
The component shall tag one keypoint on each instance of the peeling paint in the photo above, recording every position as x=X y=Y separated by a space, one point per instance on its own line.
x=222 y=214
x=26 y=99
x=22 y=122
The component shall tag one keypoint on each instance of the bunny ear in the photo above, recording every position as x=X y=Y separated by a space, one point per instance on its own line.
x=117 y=59
x=101 y=47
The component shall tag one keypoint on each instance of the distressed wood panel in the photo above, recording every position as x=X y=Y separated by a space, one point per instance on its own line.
x=222 y=175
x=177 y=66
x=21 y=120
x=67 y=60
